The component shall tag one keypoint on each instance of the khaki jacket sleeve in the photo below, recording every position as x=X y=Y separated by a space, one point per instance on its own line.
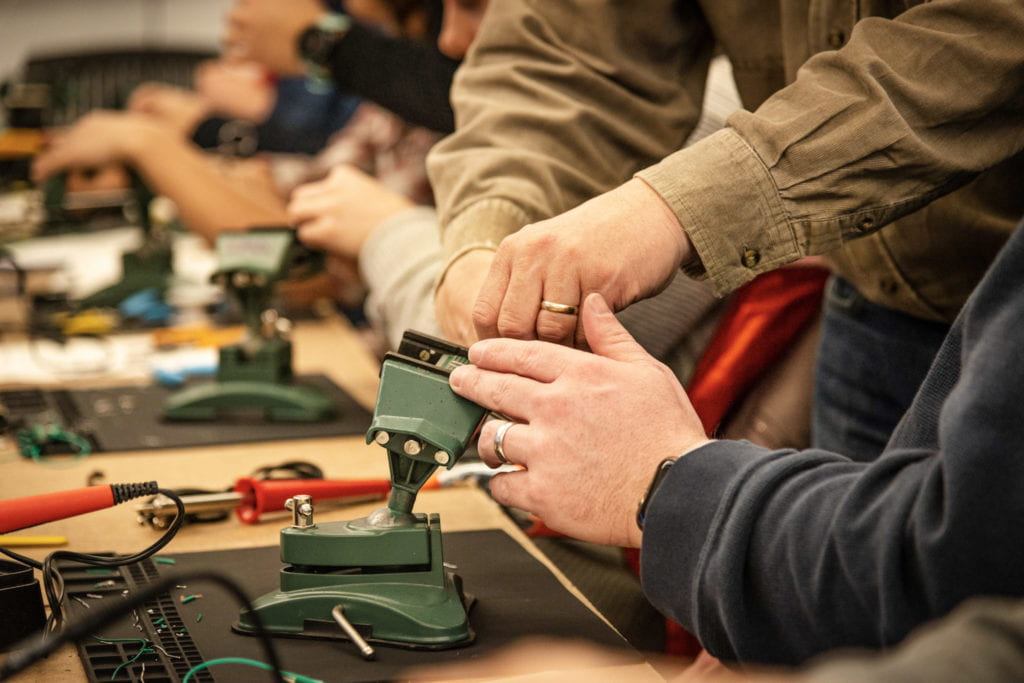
x=560 y=100
x=909 y=110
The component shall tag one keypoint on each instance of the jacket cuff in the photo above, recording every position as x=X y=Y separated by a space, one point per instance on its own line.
x=483 y=224
x=681 y=522
x=719 y=188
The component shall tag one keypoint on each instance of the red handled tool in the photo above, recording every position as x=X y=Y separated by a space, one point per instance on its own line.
x=250 y=498
x=21 y=513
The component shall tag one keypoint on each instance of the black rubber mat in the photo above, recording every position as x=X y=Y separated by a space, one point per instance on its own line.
x=129 y=418
x=516 y=596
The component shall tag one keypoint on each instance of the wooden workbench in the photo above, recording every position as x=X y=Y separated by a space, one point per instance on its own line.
x=330 y=347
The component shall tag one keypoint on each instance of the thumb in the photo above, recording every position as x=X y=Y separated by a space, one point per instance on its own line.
x=606 y=335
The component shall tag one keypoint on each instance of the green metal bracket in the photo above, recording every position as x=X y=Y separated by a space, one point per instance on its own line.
x=387 y=569
x=148 y=267
x=256 y=374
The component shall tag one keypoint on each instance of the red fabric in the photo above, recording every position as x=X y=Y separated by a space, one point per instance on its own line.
x=762 y=320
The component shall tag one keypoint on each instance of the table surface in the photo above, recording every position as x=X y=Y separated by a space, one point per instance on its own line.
x=328 y=346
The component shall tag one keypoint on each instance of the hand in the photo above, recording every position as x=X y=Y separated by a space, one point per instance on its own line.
x=457 y=293
x=266 y=31
x=339 y=213
x=237 y=89
x=590 y=427
x=98 y=138
x=180 y=109
x=544 y=658
x=625 y=244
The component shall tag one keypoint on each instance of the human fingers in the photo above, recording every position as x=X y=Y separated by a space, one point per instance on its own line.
x=538 y=361
x=502 y=392
x=60 y=156
x=456 y=296
x=487 y=306
x=316 y=233
x=45 y=165
x=541 y=299
x=306 y=202
x=498 y=446
x=606 y=335
x=511 y=488
x=558 y=315
x=518 y=315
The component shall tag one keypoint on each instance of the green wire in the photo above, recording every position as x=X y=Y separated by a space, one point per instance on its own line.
x=298 y=678
x=143 y=650
x=30 y=442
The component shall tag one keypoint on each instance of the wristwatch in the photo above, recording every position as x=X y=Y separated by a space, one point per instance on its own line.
x=316 y=43
x=659 y=475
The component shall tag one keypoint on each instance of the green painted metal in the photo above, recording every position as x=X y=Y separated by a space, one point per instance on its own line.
x=386 y=570
x=357 y=543
x=142 y=269
x=421 y=607
x=256 y=374
x=416 y=403
x=286 y=403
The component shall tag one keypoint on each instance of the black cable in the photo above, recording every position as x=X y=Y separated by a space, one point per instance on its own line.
x=293 y=469
x=53 y=582
x=31 y=649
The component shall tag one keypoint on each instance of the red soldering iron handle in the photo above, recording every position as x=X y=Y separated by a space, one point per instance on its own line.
x=268 y=495
x=21 y=513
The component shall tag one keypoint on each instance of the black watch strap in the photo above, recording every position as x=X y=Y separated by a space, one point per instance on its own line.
x=316 y=43
x=659 y=475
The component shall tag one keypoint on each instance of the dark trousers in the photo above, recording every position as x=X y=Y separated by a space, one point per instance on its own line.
x=871 y=361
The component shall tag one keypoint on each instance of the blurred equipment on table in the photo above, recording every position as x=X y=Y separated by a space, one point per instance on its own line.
x=256 y=375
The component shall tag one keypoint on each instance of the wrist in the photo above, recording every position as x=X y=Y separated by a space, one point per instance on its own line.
x=465 y=258
x=135 y=141
x=659 y=213
x=660 y=472
x=315 y=45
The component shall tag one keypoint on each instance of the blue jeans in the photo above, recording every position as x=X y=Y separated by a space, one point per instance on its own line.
x=871 y=361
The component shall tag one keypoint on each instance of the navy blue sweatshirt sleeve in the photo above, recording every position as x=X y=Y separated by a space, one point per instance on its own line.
x=409 y=77
x=775 y=556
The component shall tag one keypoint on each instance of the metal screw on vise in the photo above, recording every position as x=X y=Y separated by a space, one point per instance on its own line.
x=364 y=648
x=302 y=510
x=382 y=438
x=412 y=447
x=441 y=458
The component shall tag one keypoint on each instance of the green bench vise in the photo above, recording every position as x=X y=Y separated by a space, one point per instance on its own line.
x=256 y=374
x=148 y=267
x=382 y=578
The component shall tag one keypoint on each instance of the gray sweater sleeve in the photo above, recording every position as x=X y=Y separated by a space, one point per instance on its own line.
x=776 y=556
x=980 y=642
x=400 y=263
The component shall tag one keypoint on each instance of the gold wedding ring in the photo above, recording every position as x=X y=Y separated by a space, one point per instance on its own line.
x=558 y=308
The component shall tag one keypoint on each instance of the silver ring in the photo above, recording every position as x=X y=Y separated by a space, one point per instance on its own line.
x=499 y=438
x=567 y=309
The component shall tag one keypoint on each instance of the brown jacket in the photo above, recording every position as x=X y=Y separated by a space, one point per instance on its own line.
x=896 y=105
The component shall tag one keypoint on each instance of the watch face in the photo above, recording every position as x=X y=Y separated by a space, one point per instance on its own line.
x=315 y=45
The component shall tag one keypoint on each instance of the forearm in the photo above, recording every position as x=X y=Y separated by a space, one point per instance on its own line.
x=581 y=111
x=775 y=556
x=401 y=289
x=208 y=201
x=866 y=134
x=408 y=77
